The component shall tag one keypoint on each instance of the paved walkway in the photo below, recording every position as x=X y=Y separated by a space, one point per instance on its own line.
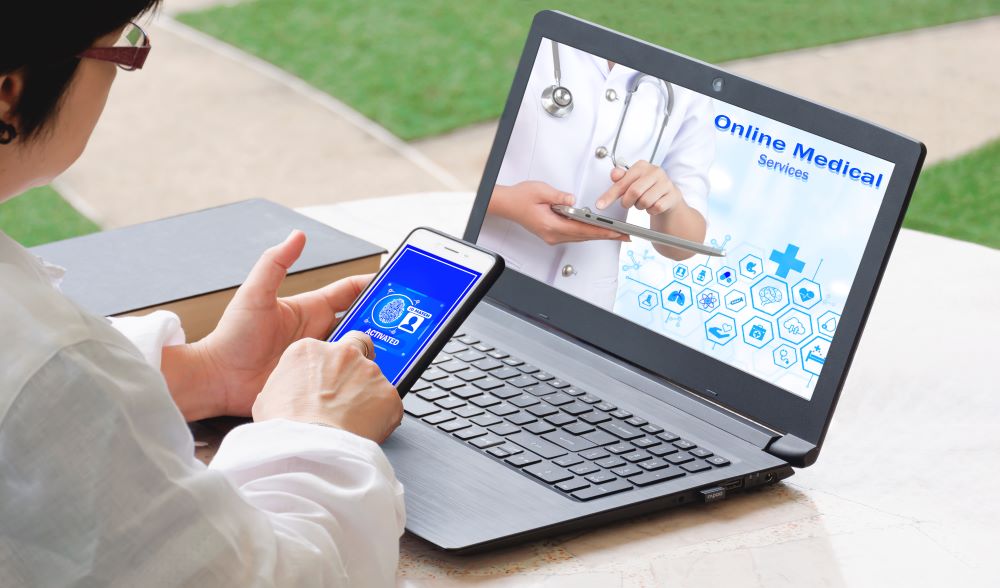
x=205 y=124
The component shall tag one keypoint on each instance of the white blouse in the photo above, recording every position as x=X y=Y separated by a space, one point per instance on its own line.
x=99 y=485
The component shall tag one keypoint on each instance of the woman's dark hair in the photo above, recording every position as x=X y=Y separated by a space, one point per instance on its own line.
x=42 y=40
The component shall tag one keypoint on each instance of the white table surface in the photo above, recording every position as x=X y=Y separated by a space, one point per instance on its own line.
x=905 y=491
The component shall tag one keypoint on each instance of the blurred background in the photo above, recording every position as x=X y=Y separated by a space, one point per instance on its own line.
x=316 y=101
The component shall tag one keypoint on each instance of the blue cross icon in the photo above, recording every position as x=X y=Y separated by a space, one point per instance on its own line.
x=786 y=261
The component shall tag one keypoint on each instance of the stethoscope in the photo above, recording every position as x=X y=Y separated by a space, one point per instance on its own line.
x=557 y=100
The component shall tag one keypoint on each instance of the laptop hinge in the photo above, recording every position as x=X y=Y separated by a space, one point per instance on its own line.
x=797 y=452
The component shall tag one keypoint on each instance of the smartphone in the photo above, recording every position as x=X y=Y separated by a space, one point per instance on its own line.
x=418 y=300
x=585 y=215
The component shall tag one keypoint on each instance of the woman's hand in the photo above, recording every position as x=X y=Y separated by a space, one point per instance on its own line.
x=334 y=384
x=644 y=186
x=530 y=205
x=223 y=373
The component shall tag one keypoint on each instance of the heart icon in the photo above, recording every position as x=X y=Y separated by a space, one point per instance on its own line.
x=806 y=294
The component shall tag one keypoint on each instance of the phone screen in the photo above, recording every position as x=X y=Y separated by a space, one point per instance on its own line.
x=411 y=298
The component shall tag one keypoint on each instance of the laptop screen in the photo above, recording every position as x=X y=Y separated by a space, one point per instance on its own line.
x=792 y=212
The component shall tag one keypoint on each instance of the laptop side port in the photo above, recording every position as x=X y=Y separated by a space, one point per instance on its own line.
x=732 y=484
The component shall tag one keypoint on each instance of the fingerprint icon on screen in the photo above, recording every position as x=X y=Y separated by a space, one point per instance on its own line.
x=391 y=311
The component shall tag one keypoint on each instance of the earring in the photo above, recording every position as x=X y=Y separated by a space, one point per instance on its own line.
x=7 y=133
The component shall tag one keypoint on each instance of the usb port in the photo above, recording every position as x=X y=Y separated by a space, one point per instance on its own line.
x=733 y=484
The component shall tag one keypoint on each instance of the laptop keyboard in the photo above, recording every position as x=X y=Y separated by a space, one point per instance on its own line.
x=552 y=431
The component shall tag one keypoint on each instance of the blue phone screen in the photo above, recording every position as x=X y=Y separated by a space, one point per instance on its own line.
x=410 y=300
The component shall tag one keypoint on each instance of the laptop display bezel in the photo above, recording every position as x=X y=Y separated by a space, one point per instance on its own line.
x=713 y=379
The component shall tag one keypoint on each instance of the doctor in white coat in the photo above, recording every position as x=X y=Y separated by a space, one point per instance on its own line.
x=567 y=160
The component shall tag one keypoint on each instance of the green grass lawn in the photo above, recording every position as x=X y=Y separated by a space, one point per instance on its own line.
x=423 y=68
x=40 y=216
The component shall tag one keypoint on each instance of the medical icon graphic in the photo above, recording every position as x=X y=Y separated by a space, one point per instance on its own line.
x=701 y=275
x=814 y=355
x=794 y=326
x=676 y=297
x=750 y=266
x=387 y=312
x=827 y=323
x=708 y=300
x=680 y=271
x=806 y=293
x=726 y=276
x=769 y=295
x=720 y=329
x=736 y=300
x=757 y=332
x=648 y=299
x=785 y=356
x=787 y=261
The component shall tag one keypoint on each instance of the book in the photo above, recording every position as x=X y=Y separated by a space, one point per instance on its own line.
x=193 y=263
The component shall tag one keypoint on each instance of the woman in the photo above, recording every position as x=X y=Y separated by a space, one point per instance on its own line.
x=567 y=158
x=98 y=481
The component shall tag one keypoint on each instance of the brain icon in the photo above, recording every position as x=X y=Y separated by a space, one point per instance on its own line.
x=770 y=295
x=392 y=310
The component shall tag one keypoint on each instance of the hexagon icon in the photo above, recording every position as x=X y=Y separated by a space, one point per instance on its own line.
x=736 y=300
x=680 y=271
x=751 y=266
x=814 y=355
x=726 y=276
x=720 y=329
x=769 y=295
x=708 y=300
x=648 y=299
x=758 y=332
x=701 y=274
x=794 y=326
x=785 y=356
x=676 y=297
x=827 y=323
x=806 y=293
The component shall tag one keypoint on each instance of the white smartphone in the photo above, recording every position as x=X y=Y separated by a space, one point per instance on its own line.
x=418 y=300
x=585 y=215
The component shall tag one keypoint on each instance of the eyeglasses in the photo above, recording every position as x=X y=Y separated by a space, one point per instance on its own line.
x=128 y=53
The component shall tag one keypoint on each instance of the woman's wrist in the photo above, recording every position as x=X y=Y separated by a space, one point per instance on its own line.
x=193 y=381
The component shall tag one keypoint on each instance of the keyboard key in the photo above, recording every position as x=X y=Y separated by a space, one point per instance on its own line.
x=620 y=448
x=513 y=361
x=600 y=438
x=601 y=490
x=521 y=418
x=418 y=407
x=471 y=375
x=610 y=462
x=470 y=433
x=557 y=383
x=596 y=453
x=645 y=442
x=605 y=406
x=574 y=391
x=468 y=339
x=578 y=428
x=543 y=376
x=487 y=363
x=420 y=385
x=558 y=399
x=568 y=441
x=567 y=460
x=657 y=476
x=497 y=452
x=469 y=356
x=487 y=420
x=466 y=392
x=620 y=430
x=488 y=383
x=559 y=419
x=539 y=428
x=543 y=410
x=433 y=375
x=521 y=381
x=700 y=452
x=595 y=418
x=497 y=354
x=483 y=347
x=454 y=347
x=572 y=485
x=450 y=403
x=621 y=414
x=524 y=401
x=524 y=459
x=537 y=444
x=452 y=366
x=449 y=383
x=503 y=409
x=505 y=373
x=512 y=449
x=652 y=429
x=548 y=473
x=437 y=419
x=696 y=466
x=455 y=425
x=576 y=408
x=626 y=471
x=487 y=441
x=584 y=468
x=653 y=464
x=527 y=368
x=679 y=458
x=589 y=399
x=684 y=444
x=505 y=392
x=485 y=401
x=601 y=477
x=668 y=436
x=718 y=460
x=504 y=429
x=540 y=390
x=636 y=456
x=469 y=411
x=637 y=421
x=431 y=394
x=661 y=450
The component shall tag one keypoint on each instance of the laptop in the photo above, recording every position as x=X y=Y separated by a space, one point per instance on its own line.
x=603 y=379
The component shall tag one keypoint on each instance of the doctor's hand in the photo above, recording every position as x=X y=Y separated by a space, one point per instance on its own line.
x=335 y=384
x=530 y=205
x=223 y=373
x=644 y=186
